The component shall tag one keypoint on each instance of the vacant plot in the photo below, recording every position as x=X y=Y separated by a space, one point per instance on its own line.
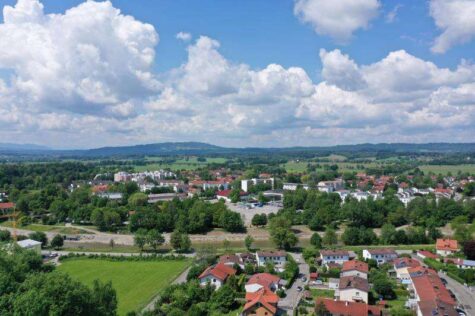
x=49 y=228
x=445 y=169
x=136 y=282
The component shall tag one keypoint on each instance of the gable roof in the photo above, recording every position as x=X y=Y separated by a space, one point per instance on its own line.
x=355 y=265
x=264 y=279
x=382 y=251
x=432 y=293
x=427 y=254
x=446 y=244
x=353 y=282
x=334 y=253
x=219 y=271
x=271 y=253
x=343 y=308
x=405 y=262
x=264 y=297
x=7 y=205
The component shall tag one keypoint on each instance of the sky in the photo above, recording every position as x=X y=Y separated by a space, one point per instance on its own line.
x=83 y=74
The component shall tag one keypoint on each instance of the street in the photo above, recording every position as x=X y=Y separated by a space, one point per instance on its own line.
x=293 y=296
x=465 y=297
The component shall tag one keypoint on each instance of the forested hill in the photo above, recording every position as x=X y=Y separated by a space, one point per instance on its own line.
x=197 y=148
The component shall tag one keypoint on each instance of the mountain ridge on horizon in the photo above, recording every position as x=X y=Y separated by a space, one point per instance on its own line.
x=197 y=148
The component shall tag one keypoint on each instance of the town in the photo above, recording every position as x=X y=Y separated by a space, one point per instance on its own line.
x=259 y=240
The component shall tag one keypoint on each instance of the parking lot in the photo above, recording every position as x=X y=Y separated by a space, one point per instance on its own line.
x=247 y=211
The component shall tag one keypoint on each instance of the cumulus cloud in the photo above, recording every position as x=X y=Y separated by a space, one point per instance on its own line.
x=392 y=15
x=88 y=59
x=184 y=36
x=337 y=19
x=84 y=77
x=456 y=19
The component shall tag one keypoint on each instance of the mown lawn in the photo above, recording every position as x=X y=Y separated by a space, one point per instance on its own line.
x=322 y=293
x=136 y=282
x=444 y=169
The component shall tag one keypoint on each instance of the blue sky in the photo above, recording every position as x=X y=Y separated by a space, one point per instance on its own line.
x=246 y=37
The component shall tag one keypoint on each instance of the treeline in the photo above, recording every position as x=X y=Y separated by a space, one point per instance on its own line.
x=29 y=287
x=318 y=210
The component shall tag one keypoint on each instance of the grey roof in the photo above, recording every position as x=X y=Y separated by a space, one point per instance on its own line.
x=28 y=243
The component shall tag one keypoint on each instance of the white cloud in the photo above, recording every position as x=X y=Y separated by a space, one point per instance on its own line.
x=337 y=19
x=392 y=15
x=456 y=19
x=85 y=60
x=85 y=77
x=184 y=36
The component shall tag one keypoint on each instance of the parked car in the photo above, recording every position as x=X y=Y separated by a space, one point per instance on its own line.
x=443 y=281
x=299 y=289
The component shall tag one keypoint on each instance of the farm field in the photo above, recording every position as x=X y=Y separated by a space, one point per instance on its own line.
x=136 y=282
x=191 y=163
x=444 y=169
x=301 y=166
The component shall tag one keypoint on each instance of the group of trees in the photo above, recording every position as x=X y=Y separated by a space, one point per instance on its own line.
x=321 y=210
x=28 y=287
x=190 y=216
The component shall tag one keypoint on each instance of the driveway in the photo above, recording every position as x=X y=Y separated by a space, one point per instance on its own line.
x=293 y=296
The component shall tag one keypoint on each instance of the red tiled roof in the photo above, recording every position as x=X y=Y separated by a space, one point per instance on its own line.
x=314 y=275
x=264 y=297
x=406 y=263
x=427 y=254
x=264 y=279
x=355 y=265
x=343 y=308
x=7 y=205
x=230 y=259
x=432 y=293
x=220 y=271
x=226 y=193
x=446 y=244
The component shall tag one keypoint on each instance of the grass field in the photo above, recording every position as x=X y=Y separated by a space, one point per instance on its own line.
x=136 y=282
x=49 y=228
x=322 y=293
x=191 y=163
x=444 y=169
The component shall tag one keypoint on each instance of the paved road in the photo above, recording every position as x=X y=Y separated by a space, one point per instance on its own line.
x=293 y=297
x=180 y=279
x=465 y=296
x=116 y=254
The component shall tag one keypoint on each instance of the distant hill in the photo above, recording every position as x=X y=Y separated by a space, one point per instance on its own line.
x=197 y=148
x=21 y=147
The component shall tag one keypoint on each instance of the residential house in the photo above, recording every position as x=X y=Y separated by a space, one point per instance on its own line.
x=353 y=288
x=216 y=275
x=333 y=284
x=461 y=263
x=231 y=260
x=260 y=280
x=446 y=247
x=355 y=268
x=334 y=256
x=345 y=308
x=402 y=266
x=30 y=244
x=426 y=254
x=431 y=297
x=278 y=258
x=380 y=255
x=330 y=186
x=6 y=207
x=260 y=303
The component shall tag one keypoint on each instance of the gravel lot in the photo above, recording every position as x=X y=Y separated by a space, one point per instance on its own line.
x=248 y=213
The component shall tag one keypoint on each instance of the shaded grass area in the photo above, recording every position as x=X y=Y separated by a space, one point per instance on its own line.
x=136 y=282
